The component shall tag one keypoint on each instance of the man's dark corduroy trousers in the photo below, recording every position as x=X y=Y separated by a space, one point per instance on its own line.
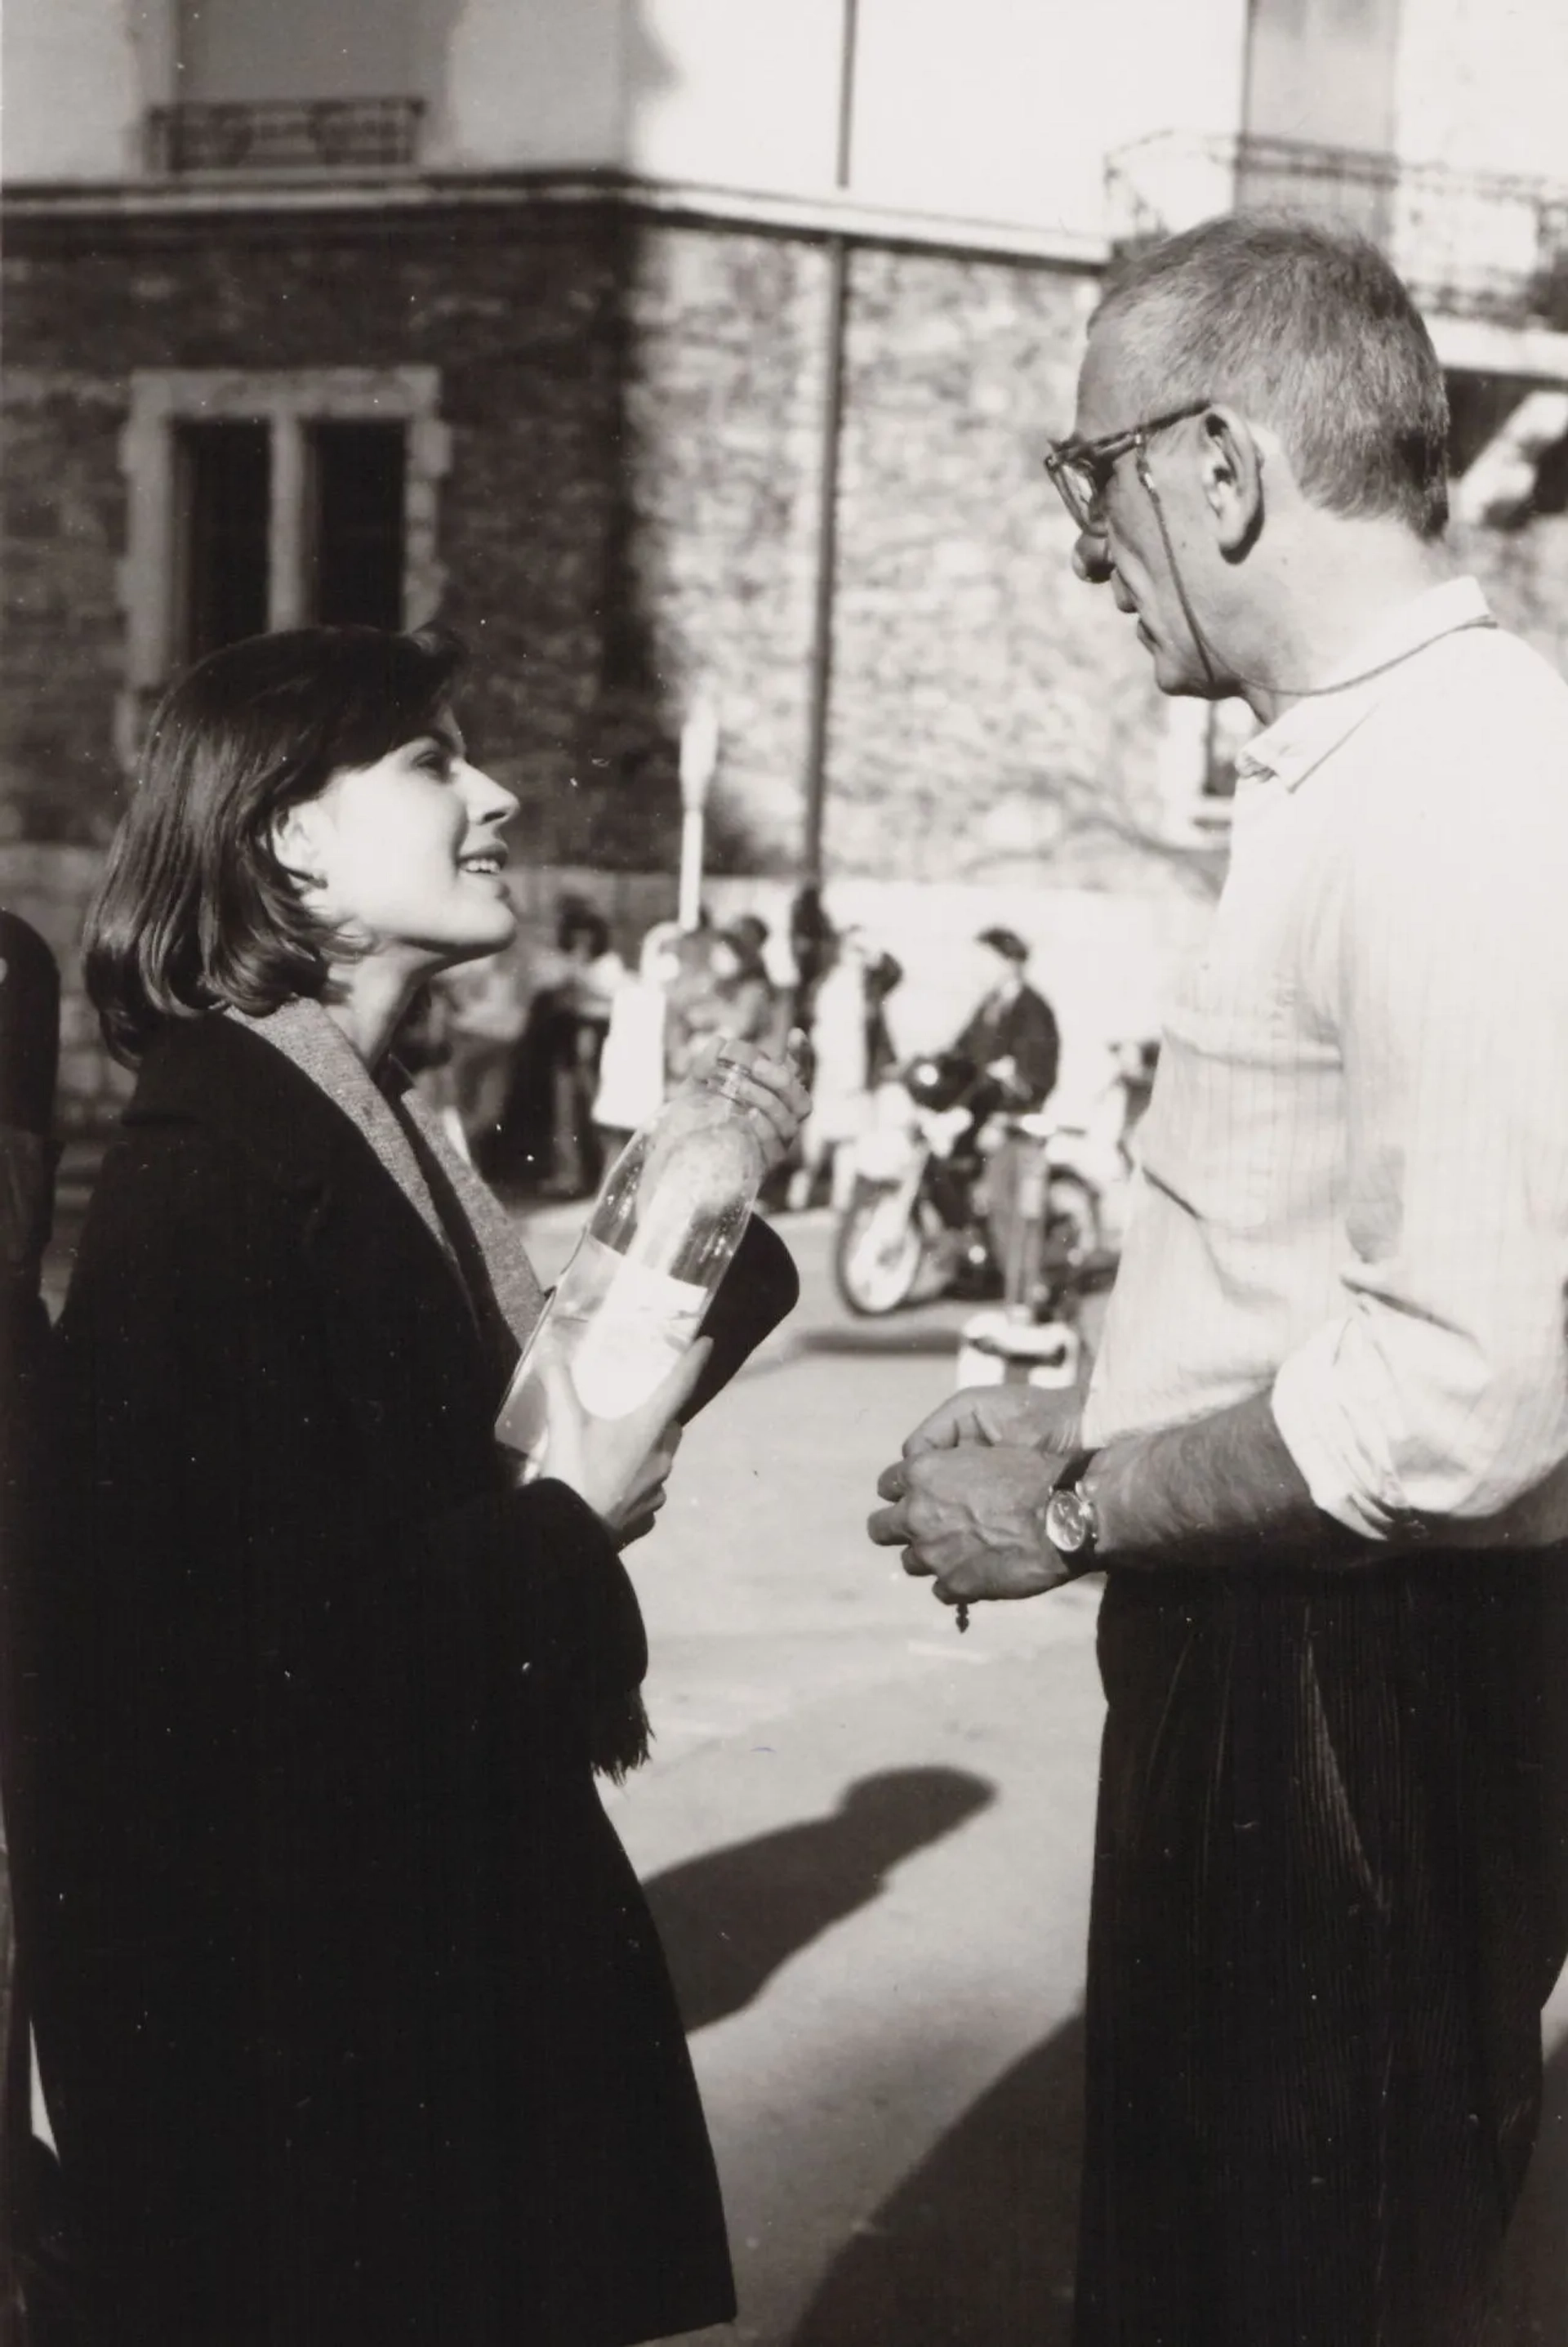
x=1329 y=1906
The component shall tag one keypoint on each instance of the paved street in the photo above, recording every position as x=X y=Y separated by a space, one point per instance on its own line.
x=868 y=1840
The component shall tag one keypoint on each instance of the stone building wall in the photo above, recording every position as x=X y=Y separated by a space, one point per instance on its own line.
x=724 y=362
x=523 y=328
x=630 y=511
x=990 y=718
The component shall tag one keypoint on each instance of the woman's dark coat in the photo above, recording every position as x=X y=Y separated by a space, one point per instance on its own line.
x=353 y=2023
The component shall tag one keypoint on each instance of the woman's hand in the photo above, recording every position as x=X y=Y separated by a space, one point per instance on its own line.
x=619 y=1465
x=769 y=1090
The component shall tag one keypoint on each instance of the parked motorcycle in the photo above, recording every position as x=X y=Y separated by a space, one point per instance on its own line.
x=929 y=1209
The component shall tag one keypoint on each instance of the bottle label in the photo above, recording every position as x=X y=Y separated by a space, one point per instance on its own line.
x=626 y=1343
x=616 y=1328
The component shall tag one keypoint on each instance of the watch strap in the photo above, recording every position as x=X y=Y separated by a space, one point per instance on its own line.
x=1073 y=1468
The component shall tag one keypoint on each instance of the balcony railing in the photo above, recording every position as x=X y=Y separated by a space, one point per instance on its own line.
x=336 y=134
x=1472 y=244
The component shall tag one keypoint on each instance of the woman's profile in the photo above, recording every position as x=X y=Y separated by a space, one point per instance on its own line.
x=353 y=2021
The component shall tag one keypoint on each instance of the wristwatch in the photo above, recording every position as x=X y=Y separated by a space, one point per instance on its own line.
x=1072 y=1525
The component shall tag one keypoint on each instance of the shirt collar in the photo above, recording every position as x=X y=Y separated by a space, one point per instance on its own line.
x=1287 y=751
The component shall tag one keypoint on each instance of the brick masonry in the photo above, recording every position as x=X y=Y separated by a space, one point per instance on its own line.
x=631 y=510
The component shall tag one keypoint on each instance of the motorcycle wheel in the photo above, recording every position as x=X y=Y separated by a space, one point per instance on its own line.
x=1072 y=1235
x=877 y=1252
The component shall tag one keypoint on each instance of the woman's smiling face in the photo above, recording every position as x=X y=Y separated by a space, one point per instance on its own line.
x=406 y=856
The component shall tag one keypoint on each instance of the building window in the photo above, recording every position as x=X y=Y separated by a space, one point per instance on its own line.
x=223 y=499
x=355 y=552
x=264 y=501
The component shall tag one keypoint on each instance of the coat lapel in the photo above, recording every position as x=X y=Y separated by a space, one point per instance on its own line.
x=386 y=1282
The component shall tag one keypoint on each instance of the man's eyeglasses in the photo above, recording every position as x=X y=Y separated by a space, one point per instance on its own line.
x=1081 y=470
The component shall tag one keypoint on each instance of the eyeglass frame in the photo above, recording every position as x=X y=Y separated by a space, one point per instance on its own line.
x=1101 y=456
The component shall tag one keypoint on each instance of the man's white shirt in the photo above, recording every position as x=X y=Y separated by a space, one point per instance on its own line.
x=1353 y=1192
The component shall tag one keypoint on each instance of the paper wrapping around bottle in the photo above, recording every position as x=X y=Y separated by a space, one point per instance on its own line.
x=630 y=1326
x=631 y=1343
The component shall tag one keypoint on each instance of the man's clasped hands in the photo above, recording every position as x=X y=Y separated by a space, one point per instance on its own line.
x=966 y=1502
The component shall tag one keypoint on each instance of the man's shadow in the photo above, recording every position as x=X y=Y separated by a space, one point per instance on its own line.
x=978 y=2242
x=729 y=1919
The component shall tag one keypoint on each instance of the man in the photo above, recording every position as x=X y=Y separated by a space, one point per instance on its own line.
x=1322 y=1461
x=1013 y=1041
x=1011 y=1037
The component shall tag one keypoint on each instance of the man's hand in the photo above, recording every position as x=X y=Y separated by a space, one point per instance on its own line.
x=971 y=1517
x=1029 y=1417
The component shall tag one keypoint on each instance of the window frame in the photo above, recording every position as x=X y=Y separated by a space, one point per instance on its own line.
x=289 y=402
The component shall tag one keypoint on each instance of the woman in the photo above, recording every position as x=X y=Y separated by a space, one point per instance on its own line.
x=588 y=972
x=352 y=2023
x=632 y=1069
x=745 y=998
x=842 y=1072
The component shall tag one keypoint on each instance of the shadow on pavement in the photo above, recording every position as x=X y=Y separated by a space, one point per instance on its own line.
x=730 y=1918
x=913 y=1344
x=978 y=2242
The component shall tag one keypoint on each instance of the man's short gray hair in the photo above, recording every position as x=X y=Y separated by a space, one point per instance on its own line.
x=1311 y=331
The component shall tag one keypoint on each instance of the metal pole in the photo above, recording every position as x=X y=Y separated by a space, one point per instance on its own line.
x=699 y=739
x=689 y=909
x=821 y=661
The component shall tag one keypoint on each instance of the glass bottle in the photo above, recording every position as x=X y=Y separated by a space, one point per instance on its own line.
x=666 y=1225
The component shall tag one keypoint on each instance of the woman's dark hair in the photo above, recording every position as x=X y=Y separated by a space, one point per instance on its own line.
x=194 y=908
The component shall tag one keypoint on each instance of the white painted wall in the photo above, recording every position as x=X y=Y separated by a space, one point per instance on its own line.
x=734 y=93
x=999 y=109
x=1324 y=72
x=70 y=89
x=295 y=48
x=989 y=108
x=526 y=84
x=1484 y=84
x=1005 y=109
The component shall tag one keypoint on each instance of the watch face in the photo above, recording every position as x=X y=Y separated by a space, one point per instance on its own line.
x=1069 y=1523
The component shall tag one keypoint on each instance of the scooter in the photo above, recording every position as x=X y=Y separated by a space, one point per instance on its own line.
x=927 y=1209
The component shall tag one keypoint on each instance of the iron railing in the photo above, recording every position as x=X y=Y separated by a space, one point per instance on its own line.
x=332 y=134
x=1474 y=244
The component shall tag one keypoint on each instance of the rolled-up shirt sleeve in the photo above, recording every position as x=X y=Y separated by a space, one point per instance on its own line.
x=1440 y=1394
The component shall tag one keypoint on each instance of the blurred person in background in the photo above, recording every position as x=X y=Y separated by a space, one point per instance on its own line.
x=487 y=1012
x=840 y=1036
x=1011 y=1037
x=583 y=987
x=1012 y=1041
x=812 y=938
x=633 y=1064
x=747 y=1006
x=352 y=2023
x=884 y=976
